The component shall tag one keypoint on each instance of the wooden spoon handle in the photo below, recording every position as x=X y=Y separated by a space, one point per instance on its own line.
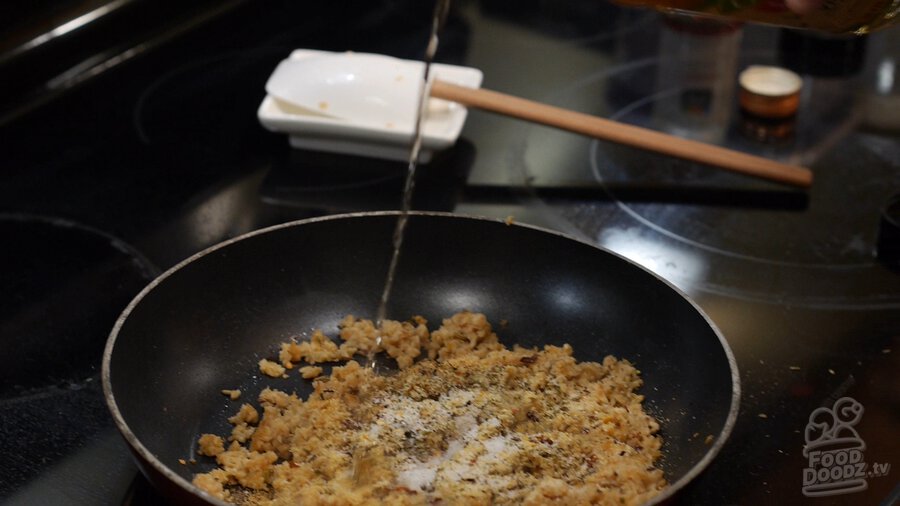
x=621 y=133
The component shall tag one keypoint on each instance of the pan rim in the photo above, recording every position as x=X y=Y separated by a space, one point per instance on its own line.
x=149 y=458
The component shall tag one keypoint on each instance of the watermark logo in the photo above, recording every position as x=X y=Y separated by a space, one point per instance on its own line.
x=836 y=464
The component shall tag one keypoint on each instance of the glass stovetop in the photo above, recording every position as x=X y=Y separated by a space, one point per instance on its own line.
x=151 y=152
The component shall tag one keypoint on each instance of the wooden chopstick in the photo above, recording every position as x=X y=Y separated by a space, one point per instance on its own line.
x=622 y=133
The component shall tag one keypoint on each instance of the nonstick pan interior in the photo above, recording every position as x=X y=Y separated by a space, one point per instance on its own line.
x=203 y=326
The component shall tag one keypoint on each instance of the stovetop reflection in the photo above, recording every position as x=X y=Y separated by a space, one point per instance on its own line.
x=811 y=247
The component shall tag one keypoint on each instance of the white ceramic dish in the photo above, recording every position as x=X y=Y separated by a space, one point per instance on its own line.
x=376 y=131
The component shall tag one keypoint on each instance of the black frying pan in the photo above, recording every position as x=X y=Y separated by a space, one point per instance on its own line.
x=203 y=325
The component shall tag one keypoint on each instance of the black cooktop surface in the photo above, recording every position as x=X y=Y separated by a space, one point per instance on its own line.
x=127 y=150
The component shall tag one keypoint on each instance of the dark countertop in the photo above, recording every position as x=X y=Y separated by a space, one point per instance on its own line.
x=152 y=152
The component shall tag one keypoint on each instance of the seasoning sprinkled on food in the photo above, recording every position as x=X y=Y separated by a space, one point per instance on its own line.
x=472 y=423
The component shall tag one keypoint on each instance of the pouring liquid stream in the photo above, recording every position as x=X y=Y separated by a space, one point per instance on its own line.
x=440 y=13
x=362 y=456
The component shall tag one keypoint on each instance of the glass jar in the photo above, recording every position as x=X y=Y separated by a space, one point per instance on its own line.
x=695 y=79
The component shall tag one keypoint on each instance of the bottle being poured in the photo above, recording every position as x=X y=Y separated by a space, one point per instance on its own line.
x=833 y=16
